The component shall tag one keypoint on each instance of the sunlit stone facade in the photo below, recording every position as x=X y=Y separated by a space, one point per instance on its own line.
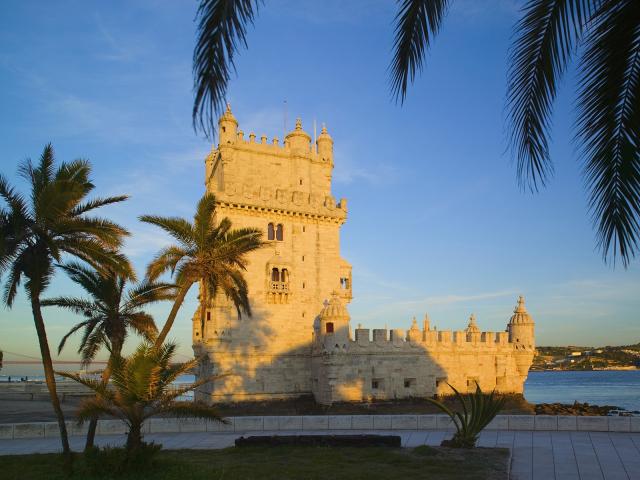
x=298 y=340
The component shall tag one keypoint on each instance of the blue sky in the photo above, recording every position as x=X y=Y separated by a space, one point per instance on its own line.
x=436 y=223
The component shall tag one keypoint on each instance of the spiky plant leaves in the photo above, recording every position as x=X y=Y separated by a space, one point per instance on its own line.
x=478 y=409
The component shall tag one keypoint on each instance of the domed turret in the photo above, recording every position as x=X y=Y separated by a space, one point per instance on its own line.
x=473 y=326
x=227 y=127
x=334 y=323
x=298 y=139
x=521 y=326
x=325 y=146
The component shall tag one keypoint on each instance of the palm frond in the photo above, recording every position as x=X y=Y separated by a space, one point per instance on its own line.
x=609 y=126
x=417 y=22
x=147 y=292
x=222 y=27
x=166 y=259
x=177 y=227
x=73 y=330
x=193 y=410
x=97 y=203
x=546 y=39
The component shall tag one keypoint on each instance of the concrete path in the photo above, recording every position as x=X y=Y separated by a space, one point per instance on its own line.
x=537 y=455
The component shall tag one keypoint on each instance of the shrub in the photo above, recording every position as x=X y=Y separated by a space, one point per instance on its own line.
x=118 y=460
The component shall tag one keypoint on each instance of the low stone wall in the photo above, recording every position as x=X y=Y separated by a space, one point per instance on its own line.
x=327 y=422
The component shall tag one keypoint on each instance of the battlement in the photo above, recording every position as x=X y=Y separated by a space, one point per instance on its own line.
x=459 y=339
x=296 y=143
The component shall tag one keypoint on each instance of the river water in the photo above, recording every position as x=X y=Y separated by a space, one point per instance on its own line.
x=602 y=387
x=619 y=388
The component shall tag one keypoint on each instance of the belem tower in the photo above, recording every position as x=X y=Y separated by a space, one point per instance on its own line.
x=299 y=340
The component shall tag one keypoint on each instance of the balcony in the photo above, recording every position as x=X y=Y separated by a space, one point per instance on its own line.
x=279 y=287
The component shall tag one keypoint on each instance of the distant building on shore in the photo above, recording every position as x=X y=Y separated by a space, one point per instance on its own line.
x=299 y=339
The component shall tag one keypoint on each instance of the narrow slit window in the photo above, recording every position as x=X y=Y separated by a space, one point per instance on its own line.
x=280 y=232
x=270 y=232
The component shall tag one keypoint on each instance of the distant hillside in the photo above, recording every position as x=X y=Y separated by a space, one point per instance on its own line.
x=587 y=358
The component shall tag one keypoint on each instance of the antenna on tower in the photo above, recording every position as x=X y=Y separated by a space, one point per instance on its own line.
x=315 y=137
x=285 y=118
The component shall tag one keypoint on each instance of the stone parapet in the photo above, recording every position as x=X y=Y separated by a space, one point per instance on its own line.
x=10 y=431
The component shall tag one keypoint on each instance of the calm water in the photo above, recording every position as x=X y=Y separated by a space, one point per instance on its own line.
x=607 y=387
x=621 y=389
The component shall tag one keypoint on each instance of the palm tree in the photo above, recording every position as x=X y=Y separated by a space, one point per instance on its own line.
x=142 y=389
x=548 y=37
x=110 y=312
x=207 y=252
x=36 y=233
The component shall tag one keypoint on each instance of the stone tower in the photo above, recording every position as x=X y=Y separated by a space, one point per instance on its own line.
x=521 y=335
x=284 y=190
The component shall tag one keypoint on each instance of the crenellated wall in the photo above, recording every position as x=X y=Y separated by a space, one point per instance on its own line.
x=391 y=364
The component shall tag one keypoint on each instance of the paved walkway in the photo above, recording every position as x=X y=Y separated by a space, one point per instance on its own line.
x=536 y=455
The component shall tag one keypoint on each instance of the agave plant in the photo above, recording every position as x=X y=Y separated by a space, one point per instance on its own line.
x=142 y=388
x=478 y=409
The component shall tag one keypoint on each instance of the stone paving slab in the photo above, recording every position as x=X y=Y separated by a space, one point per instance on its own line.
x=536 y=455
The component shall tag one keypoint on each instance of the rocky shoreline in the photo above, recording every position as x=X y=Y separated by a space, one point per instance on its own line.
x=582 y=409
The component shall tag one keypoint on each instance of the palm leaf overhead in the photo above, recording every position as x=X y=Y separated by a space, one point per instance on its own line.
x=546 y=40
x=208 y=252
x=609 y=126
x=417 y=22
x=222 y=26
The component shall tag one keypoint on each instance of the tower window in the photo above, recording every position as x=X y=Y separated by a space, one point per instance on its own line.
x=329 y=328
x=300 y=181
x=279 y=232
x=275 y=275
x=304 y=229
x=284 y=275
x=208 y=315
x=224 y=129
x=270 y=232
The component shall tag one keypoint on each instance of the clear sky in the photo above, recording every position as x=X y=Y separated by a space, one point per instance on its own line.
x=436 y=222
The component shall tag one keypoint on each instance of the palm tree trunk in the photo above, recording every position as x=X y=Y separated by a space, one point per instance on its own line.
x=177 y=303
x=134 y=437
x=48 y=373
x=93 y=424
x=203 y=308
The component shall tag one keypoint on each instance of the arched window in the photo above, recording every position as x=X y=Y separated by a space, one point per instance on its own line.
x=284 y=276
x=329 y=327
x=275 y=275
x=279 y=232
x=270 y=232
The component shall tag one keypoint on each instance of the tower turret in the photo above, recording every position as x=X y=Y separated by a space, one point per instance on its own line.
x=334 y=329
x=473 y=326
x=521 y=327
x=521 y=335
x=227 y=127
x=325 y=146
x=298 y=139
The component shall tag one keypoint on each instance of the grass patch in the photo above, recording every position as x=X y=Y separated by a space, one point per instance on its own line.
x=284 y=463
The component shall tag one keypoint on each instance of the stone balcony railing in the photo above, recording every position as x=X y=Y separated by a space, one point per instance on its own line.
x=280 y=287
